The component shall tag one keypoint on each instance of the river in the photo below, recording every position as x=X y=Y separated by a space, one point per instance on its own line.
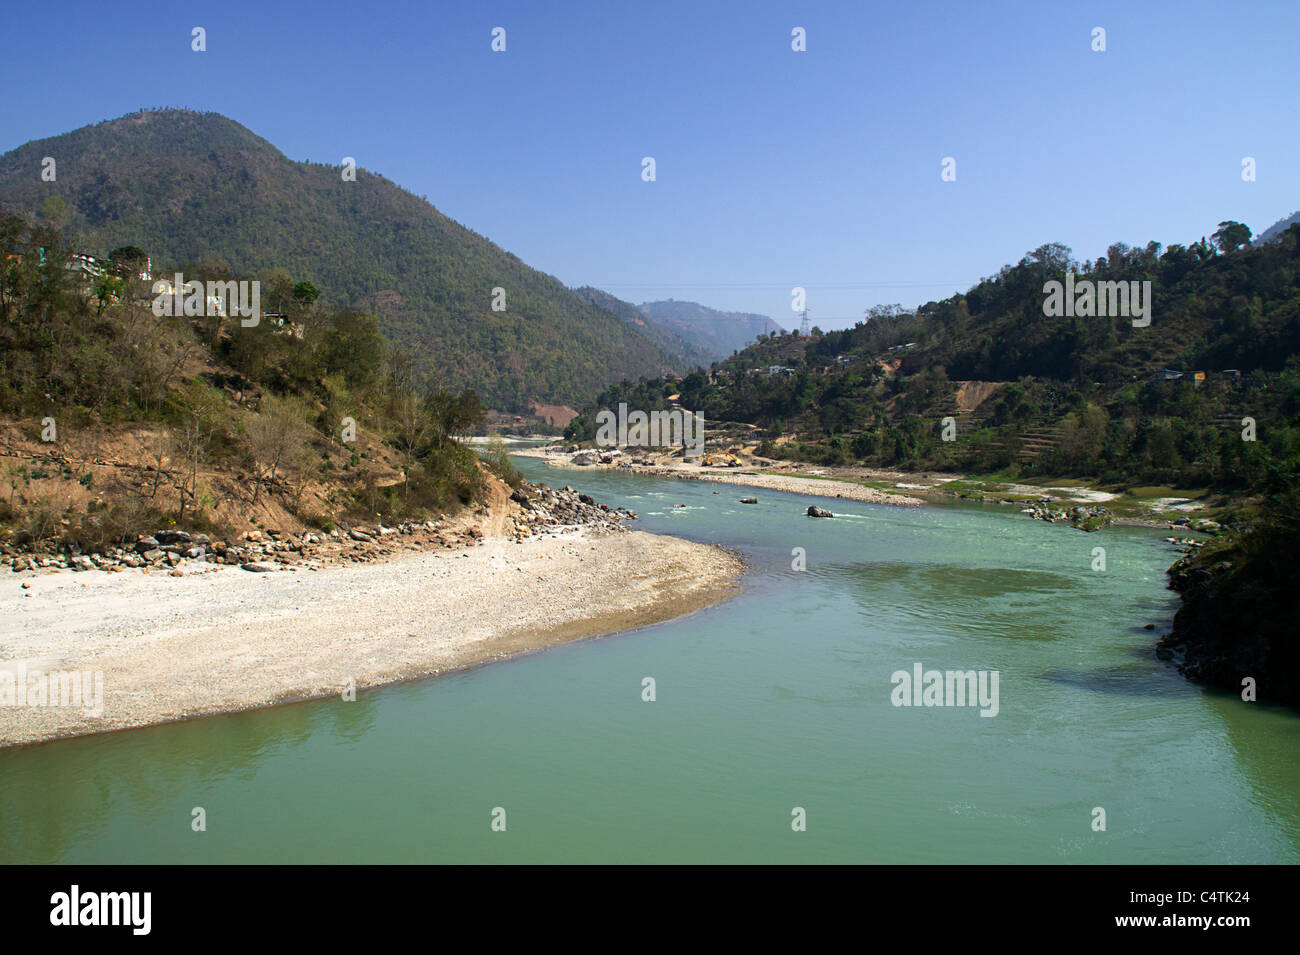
x=779 y=699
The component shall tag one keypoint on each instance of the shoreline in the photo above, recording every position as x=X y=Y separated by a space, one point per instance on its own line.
x=913 y=489
x=229 y=641
x=762 y=480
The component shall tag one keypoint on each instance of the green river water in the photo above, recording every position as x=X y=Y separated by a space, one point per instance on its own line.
x=780 y=698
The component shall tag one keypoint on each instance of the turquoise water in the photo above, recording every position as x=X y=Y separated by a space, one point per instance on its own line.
x=778 y=699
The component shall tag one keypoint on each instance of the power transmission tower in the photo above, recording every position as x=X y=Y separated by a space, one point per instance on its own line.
x=803 y=324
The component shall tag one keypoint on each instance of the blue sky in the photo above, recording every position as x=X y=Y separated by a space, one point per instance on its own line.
x=774 y=168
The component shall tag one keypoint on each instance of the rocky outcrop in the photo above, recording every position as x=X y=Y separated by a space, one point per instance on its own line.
x=545 y=507
x=534 y=509
x=1082 y=517
x=815 y=511
x=1237 y=618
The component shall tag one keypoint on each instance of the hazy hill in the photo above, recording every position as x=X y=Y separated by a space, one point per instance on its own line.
x=1273 y=232
x=717 y=333
x=187 y=186
x=690 y=354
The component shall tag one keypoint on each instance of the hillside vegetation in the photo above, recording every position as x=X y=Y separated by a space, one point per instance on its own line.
x=114 y=421
x=199 y=188
x=1032 y=395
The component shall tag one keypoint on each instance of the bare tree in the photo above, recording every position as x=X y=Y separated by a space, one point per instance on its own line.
x=201 y=408
x=274 y=437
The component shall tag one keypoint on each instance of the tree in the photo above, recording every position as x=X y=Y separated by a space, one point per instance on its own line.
x=1231 y=236
x=200 y=410
x=354 y=346
x=1118 y=254
x=274 y=436
x=304 y=293
x=1083 y=435
x=1054 y=257
x=108 y=288
x=455 y=414
x=277 y=287
x=129 y=258
x=413 y=429
x=881 y=313
x=54 y=211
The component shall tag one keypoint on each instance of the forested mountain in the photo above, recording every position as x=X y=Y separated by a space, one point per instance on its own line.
x=194 y=188
x=717 y=333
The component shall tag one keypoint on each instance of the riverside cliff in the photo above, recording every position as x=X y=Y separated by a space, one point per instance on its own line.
x=1237 y=622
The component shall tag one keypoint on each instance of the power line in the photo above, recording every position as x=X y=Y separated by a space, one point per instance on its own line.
x=817 y=285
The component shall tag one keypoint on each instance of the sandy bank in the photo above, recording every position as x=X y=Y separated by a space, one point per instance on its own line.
x=769 y=480
x=799 y=485
x=175 y=648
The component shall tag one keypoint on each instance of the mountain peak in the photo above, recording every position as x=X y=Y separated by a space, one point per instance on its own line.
x=187 y=186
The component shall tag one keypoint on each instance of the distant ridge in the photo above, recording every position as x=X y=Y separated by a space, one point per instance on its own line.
x=689 y=353
x=717 y=333
x=1273 y=232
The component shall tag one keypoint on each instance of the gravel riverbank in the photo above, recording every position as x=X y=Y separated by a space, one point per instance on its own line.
x=176 y=648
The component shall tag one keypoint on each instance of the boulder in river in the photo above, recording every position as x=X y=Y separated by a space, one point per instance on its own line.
x=749 y=500
x=815 y=511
